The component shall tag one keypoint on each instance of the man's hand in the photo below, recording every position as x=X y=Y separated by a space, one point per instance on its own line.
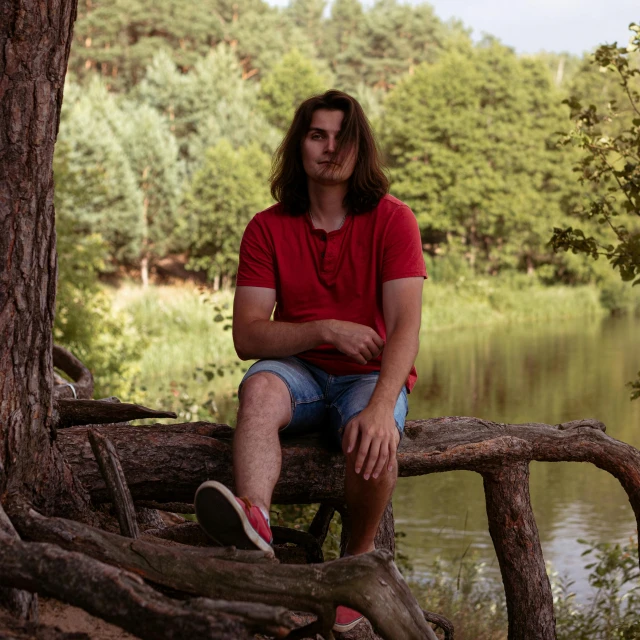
x=373 y=431
x=359 y=342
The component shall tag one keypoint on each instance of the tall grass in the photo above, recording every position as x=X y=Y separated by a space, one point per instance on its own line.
x=190 y=364
x=490 y=301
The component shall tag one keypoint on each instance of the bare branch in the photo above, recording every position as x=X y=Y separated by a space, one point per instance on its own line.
x=111 y=469
x=71 y=413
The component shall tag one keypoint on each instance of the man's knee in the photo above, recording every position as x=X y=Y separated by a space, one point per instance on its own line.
x=268 y=395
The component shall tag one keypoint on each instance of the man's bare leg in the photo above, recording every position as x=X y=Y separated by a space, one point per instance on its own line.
x=265 y=407
x=366 y=502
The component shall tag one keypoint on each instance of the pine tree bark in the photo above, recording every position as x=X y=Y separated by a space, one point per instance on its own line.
x=35 y=39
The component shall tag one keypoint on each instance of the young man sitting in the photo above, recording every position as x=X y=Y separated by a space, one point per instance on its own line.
x=342 y=262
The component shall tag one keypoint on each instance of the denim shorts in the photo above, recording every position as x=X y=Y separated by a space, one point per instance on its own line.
x=320 y=401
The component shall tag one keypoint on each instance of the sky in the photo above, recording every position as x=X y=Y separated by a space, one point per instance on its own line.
x=529 y=26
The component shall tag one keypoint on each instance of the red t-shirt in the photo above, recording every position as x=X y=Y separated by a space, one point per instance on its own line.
x=319 y=275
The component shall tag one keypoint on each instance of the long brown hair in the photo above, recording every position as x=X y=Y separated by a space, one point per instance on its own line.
x=368 y=183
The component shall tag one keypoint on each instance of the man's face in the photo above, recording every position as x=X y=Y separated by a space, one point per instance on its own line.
x=319 y=149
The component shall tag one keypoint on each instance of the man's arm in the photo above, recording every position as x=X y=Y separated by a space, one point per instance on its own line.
x=375 y=426
x=256 y=336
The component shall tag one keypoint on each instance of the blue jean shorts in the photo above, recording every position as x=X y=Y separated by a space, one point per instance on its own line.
x=320 y=401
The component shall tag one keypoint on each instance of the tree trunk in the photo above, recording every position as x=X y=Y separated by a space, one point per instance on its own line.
x=515 y=538
x=35 y=39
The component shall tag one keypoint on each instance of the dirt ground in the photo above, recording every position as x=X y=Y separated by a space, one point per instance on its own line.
x=74 y=620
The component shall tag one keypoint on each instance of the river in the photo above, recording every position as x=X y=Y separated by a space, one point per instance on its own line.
x=524 y=373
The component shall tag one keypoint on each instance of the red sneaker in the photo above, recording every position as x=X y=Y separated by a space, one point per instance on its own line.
x=231 y=521
x=346 y=619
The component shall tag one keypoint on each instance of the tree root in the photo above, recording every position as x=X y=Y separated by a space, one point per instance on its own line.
x=117 y=596
x=369 y=583
x=21 y=604
x=82 y=385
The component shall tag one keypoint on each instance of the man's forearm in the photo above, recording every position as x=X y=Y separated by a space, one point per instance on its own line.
x=398 y=357
x=274 y=339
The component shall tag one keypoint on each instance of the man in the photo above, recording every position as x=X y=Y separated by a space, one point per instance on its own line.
x=342 y=262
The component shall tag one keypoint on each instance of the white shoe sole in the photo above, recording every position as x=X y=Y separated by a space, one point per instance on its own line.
x=343 y=628
x=224 y=520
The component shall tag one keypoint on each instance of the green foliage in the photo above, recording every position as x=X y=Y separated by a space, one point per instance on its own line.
x=85 y=323
x=610 y=165
x=225 y=193
x=189 y=365
x=609 y=169
x=291 y=81
x=119 y=39
x=210 y=103
x=377 y=45
x=474 y=601
x=125 y=158
x=612 y=611
x=466 y=595
x=471 y=145
x=104 y=196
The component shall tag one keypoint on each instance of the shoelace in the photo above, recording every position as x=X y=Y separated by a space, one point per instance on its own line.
x=246 y=501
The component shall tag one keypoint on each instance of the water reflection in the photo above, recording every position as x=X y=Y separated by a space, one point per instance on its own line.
x=525 y=373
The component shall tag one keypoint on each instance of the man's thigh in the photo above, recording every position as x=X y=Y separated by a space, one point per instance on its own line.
x=351 y=395
x=308 y=407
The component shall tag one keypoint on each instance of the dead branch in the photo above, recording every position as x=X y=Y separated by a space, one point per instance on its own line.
x=69 y=413
x=111 y=469
x=369 y=583
x=82 y=385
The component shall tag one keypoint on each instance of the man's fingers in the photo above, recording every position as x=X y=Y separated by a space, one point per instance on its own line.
x=367 y=352
x=383 y=459
x=350 y=437
x=365 y=442
x=372 y=458
x=378 y=340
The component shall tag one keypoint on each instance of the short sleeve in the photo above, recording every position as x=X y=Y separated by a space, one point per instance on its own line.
x=256 y=267
x=402 y=248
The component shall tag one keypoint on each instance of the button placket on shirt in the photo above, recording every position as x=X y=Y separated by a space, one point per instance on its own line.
x=330 y=253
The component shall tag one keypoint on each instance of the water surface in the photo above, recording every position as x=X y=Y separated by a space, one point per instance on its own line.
x=524 y=373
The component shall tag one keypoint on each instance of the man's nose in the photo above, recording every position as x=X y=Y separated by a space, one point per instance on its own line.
x=331 y=144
